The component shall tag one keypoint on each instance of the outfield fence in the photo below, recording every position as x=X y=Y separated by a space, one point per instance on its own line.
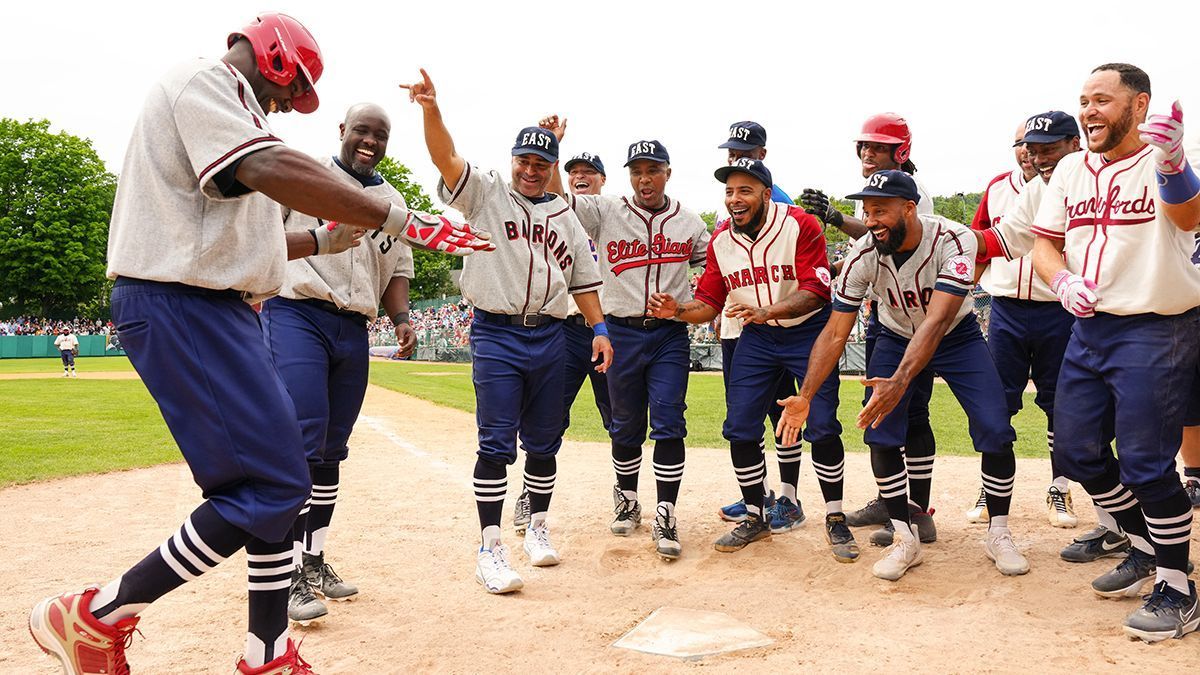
x=41 y=346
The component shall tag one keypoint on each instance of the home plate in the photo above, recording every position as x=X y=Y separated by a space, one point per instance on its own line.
x=690 y=633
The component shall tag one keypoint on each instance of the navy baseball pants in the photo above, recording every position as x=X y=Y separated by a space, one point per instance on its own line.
x=579 y=367
x=651 y=373
x=1027 y=339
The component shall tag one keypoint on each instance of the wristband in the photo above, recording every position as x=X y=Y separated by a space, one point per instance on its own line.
x=397 y=218
x=600 y=329
x=1058 y=279
x=316 y=241
x=400 y=317
x=1177 y=188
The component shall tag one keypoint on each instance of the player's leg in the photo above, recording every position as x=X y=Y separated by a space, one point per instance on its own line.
x=540 y=434
x=300 y=339
x=1008 y=343
x=666 y=387
x=498 y=364
x=202 y=357
x=71 y=361
x=789 y=459
x=627 y=391
x=1189 y=451
x=920 y=448
x=874 y=512
x=66 y=358
x=735 y=512
x=749 y=388
x=1048 y=329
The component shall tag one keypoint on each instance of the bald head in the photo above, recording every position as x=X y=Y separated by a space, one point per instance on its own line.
x=364 y=135
x=1022 y=155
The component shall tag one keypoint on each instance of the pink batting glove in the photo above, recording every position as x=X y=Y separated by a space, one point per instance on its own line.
x=438 y=233
x=1077 y=295
x=1165 y=133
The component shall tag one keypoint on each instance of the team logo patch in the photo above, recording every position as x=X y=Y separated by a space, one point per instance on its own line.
x=959 y=267
x=822 y=275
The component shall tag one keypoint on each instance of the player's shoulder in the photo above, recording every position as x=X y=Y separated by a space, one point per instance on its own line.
x=999 y=178
x=1076 y=162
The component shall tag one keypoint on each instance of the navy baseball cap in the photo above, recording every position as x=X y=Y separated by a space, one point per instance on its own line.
x=1049 y=127
x=586 y=158
x=745 y=136
x=889 y=183
x=536 y=141
x=651 y=150
x=749 y=166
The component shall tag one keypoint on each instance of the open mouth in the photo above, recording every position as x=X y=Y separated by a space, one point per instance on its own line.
x=364 y=155
x=1094 y=130
x=738 y=213
x=646 y=194
x=582 y=185
x=880 y=233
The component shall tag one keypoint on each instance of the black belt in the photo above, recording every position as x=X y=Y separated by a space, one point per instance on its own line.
x=576 y=320
x=327 y=306
x=642 y=322
x=525 y=320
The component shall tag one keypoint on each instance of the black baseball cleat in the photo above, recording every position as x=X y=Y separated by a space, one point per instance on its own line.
x=1166 y=614
x=874 y=513
x=926 y=528
x=1099 y=543
x=1192 y=489
x=752 y=529
x=841 y=539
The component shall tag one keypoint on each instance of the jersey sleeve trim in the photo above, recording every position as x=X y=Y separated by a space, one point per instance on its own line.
x=1049 y=234
x=575 y=290
x=945 y=286
x=227 y=156
x=847 y=307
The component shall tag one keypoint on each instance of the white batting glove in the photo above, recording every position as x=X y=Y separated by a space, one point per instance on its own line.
x=335 y=238
x=435 y=233
x=1165 y=133
x=1077 y=295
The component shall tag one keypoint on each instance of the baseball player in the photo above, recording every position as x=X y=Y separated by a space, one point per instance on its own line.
x=768 y=270
x=67 y=344
x=922 y=268
x=749 y=140
x=196 y=234
x=317 y=332
x=1029 y=328
x=1190 y=451
x=885 y=144
x=519 y=293
x=1123 y=215
x=585 y=174
x=648 y=243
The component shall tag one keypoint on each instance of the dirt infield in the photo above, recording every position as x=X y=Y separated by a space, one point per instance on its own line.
x=405 y=532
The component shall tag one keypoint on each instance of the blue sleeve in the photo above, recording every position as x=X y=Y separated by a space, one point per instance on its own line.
x=780 y=196
x=839 y=306
x=951 y=289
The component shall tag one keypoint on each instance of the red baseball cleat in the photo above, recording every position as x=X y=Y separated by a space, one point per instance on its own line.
x=64 y=628
x=288 y=664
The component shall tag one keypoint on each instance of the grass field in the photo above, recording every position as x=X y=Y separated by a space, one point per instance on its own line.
x=59 y=427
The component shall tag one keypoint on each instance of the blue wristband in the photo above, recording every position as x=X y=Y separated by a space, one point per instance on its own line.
x=600 y=330
x=1178 y=188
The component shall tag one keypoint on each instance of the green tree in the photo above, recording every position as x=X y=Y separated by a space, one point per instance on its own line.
x=56 y=199
x=960 y=207
x=431 y=278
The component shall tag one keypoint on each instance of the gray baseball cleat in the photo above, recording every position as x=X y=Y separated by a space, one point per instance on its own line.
x=324 y=581
x=874 y=513
x=303 y=607
x=1166 y=614
x=1098 y=543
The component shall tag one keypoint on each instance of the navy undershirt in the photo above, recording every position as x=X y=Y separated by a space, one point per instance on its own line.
x=366 y=181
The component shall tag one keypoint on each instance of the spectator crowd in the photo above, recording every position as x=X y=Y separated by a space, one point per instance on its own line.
x=29 y=325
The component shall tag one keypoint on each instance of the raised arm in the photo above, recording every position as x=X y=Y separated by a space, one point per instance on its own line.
x=437 y=138
x=1178 y=185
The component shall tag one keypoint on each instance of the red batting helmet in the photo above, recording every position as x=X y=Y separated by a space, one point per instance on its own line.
x=285 y=48
x=888 y=128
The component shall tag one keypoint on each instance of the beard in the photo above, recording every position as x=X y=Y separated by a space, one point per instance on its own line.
x=753 y=224
x=895 y=238
x=364 y=170
x=1116 y=132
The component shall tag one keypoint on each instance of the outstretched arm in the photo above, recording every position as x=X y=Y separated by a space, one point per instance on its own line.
x=437 y=138
x=826 y=352
x=664 y=306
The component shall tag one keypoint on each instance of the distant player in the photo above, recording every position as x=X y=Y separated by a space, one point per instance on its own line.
x=748 y=140
x=519 y=292
x=1029 y=329
x=1124 y=214
x=768 y=270
x=885 y=144
x=585 y=175
x=647 y=243
x=317 y=332
x=67 y=344
x=196 y=235
x=922 y=268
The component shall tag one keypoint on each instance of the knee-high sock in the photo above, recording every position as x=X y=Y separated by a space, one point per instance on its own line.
x=1169 y=522
x=829 y=463
x=491 y=484
x=887 y=463
x=540 y=475
x=269 y=576
x=669 y=458
x=203 y=541
x=1057 y=479
x=789 y=457
x=300 y=530
x=919 y=450
x=750 y=467
x=1117 y=500
x=324 y=498
x=627 y=463
x=999 y=471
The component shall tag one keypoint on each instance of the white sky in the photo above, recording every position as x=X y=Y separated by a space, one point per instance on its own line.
x=964 y=74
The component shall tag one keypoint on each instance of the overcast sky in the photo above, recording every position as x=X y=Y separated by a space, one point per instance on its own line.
x=963 y=74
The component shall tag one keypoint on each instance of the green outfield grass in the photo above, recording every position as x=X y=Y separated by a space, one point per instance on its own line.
x=91 y=364
x=450 y=385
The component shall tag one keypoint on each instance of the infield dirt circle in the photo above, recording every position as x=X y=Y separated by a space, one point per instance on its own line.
x=405 y=532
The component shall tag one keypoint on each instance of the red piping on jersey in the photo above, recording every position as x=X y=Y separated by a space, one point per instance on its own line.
x=750 y=251
x=649 y=237
x=546 y=255
x=767 y=249
x=462 y=184
x=845 y=275
x=243 y=146
x=242 y=96
x=662 y=226
x=932 y=250
x=899 y=297
x=529 y=244
x=1108 y=209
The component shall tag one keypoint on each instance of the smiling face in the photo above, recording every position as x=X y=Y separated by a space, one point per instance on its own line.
x=876 y=157
x=887 y=219
x=530 y=175
x=745 y=199
x=1022 y=154
x=584 y=179
x=364 y=137
x=1045 y=156
x=649 y=181
x=276 y=97
x=1109 y=112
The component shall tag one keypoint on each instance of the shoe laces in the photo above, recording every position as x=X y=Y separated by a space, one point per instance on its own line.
x=1163 y=599
x=122 y=642
x=625 y=508
x=1003 y=542
x=329 y=575
x=665 y=525
x=541 y=536
x=982 y=501
x=1058 y=500
x=302 y=667
x=1137 y=560
x=523 y=504
x=835 y=523
x=301 y=591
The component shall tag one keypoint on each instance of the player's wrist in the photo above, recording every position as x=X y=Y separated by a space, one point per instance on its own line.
x=1177 y=188
x=400 y=318
x=600 y=329
x=397 y=219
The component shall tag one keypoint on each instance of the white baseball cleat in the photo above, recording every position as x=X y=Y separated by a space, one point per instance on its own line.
x=903 y=554
x=1059 y=508
x=979 y=512
x=1001 y=548
x=493 y=570
x=538 y=547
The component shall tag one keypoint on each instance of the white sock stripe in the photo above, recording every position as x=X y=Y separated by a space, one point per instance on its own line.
x=892 y=486
x=1170 y=520
x=486 y=498
x=1121 y=500
x=175 y=565
x=669 y=467
x=910 y=462
x=998 y=483
x=920 y=475
x=790 y=460
x=323 y=502
x=830 y=467
x=794 y=451
x=269 y=585
x=529 y=478
x=189 y=555
x=1111 y=493
x=1157 y=532
x=631 y=472
x=668 y=477
x=269 y=557
x=881 y=480
x=998 y=493
x=200 y=544
x=1130 y=503
x=756 y=480
x=490 y=481
x=895 y=492
x=627 y=466
x=547 y=490
x=757 y=468
x=489 y=495
x=1173 y=540
x=332 y=486
x=259 y=572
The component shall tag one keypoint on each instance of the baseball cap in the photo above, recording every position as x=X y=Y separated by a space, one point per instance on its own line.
x=586 y=158
x=1049 y=127
x=651 y=150
x=889 y=183
x=745 y=136
x=749 y=166
x=536 y=141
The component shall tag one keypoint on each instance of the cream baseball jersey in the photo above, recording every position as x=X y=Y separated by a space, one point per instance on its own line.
x=943 y=261
x=640 y=251
x=1005 y=201
x=355 y=279
x=542 y=253
x=170 y=220
x=1115 y=236
x=787 y=256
